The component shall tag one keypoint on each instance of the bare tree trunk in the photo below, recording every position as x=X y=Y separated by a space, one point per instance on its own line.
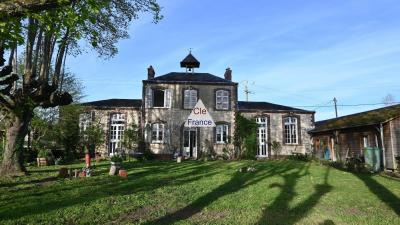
x=12 y=163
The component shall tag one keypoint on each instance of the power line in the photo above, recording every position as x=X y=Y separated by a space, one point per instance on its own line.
x=344 y=105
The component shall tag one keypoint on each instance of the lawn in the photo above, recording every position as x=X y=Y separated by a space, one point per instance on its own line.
x=279 y=192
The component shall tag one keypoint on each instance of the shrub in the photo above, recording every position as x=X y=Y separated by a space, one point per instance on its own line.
x=276 y=148
x=116 y=159
x=228 y=154
x=44 y=153
x=300 y=157
x=148 y=155
x=355 y=164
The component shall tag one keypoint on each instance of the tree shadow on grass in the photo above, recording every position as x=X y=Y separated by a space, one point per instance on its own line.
x=238 y=181
x=384 y=194
x=279 y=212
x=85 y=191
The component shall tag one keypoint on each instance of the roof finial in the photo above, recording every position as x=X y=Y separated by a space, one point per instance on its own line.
x=190 y=50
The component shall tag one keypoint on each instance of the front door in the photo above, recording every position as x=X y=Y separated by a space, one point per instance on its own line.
x=190 y=143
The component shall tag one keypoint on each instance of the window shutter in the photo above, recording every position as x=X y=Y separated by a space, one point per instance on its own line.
x=167 y=134
x=186 y=98
x=149 y=98
x=193 y=98
x=168 y=98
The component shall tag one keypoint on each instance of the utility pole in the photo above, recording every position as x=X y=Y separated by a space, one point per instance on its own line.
x=335 y=102
x=246 y=90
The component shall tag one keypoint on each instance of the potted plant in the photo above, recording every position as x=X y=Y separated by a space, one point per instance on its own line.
x=116 y=162
x=42 y=157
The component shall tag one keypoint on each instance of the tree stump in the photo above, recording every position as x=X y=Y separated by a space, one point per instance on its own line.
x=63 y=172
x=41 y=161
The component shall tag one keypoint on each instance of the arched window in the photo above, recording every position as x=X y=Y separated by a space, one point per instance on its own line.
x=290 y=130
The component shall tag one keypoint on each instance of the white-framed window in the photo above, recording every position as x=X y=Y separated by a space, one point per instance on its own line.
x=291 y=130
x=157 y=132
x=189 y=98
x=158 y=98
x=262 y=147
x=221 y=133
x=222 y=99
x=85 y=120
x=117 y=128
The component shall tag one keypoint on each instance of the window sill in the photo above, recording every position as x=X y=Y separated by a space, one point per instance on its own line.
x=157 y=142
x=221 y=143
x=158 y=108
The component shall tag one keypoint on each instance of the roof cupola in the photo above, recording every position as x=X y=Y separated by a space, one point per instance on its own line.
x=190 y=62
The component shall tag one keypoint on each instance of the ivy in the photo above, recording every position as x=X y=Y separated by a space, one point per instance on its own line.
x=245 y=138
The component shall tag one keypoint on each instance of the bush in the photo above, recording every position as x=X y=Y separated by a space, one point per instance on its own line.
x=228 y=154
x=276 y=148
x=355 y=164
x=147 y=155
x=116 y=159
x=44 y=153
x=301 y=157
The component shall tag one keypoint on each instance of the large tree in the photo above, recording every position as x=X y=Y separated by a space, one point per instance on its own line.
x=48 y=36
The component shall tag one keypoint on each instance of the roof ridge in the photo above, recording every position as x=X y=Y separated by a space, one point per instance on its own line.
x=358 y=113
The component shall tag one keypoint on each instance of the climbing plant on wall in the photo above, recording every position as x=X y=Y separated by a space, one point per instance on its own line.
x=245 y=139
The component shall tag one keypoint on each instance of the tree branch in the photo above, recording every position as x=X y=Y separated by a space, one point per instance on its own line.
x=20 y=8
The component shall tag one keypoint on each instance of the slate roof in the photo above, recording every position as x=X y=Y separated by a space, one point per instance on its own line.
x=267 y=106
x=115 y=102
x=190 y=62
x=367 y=118
x=188 y=77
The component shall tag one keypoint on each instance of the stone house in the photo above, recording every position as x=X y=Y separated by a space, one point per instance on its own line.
x=167 y=101
x=347 y=136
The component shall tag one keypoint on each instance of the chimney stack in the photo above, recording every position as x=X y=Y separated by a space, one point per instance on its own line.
x=150 y=72
x=228 y=74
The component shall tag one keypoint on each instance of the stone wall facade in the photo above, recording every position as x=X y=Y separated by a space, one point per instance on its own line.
x=174 y=118
x=276 y=130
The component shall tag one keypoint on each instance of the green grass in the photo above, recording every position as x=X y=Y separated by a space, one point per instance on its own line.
x=279 y=192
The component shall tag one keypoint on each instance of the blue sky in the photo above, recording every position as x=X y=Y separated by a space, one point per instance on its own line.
x=295 y=53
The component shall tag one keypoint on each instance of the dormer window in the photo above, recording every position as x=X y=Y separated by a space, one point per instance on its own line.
x=158 y=98
x=222 y=99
